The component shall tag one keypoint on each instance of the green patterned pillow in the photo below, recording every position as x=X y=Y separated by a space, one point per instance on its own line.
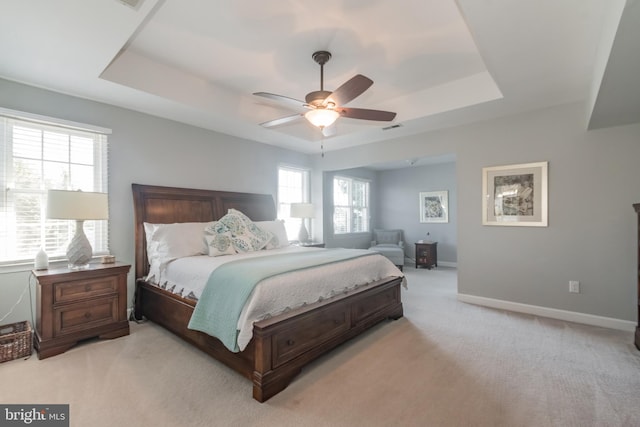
x=246 y=236
x=216 y=228
x=242 y=244
x=220 y=244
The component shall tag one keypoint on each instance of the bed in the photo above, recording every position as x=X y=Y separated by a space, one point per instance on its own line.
x=280 y=345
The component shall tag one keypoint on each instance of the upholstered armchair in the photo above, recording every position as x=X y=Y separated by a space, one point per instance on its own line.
x=390 y=244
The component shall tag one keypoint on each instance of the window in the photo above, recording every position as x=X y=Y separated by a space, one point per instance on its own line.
x=293 y=187
x=37 y=154
x=350 y=205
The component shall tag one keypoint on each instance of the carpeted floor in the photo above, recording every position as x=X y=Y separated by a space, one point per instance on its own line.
x=445 y=363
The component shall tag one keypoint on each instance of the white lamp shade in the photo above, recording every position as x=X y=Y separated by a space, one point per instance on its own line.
x=301 y=210
x=322 y=117
x=78 y=205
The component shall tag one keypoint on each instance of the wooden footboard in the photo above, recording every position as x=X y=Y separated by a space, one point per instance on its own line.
x=282 y=345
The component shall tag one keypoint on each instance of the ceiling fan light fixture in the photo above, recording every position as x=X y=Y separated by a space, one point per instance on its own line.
x=321 y=117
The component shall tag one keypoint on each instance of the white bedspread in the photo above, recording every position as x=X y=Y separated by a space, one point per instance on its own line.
x=188 y=276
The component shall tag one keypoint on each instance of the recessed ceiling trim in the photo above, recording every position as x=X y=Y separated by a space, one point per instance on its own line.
x=134 y=4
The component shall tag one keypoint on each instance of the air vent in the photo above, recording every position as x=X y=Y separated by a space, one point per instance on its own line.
x=392 y=127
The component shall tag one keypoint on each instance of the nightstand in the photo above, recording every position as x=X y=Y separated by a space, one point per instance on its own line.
x=73 y=305
x=427 y=254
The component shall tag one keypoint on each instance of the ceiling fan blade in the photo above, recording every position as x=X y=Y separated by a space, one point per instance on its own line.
x=281 y=120
x=365 y=114
x=349 y=91
x=292 y=103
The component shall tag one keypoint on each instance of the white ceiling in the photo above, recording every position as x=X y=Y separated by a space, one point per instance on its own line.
x=437 y=63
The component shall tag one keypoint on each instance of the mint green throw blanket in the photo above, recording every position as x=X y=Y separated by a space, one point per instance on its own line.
x=230 y=285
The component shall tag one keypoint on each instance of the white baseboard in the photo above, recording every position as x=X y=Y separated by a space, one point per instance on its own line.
x=569 y=316
x=447 y=264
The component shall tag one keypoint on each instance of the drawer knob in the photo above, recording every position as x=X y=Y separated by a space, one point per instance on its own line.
x=290 y=342
x=87 y=315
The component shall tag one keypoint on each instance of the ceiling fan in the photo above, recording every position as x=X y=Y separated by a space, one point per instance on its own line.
x=324 y=107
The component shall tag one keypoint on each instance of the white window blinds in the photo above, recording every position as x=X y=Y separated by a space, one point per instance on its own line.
x=38 y=154
x=350 y=205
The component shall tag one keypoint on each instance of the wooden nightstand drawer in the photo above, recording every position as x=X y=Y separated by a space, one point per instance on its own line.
x=82 y=289
x=91 y=314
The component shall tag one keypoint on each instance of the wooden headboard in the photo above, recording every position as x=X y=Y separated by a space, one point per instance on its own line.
x=166 y=205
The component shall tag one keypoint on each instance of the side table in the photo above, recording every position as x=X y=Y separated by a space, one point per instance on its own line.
x=72 y=305
x=427 y=254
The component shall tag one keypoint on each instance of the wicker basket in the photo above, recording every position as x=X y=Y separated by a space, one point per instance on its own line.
x=15 y=341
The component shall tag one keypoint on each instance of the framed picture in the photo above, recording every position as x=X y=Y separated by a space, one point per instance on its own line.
x=515 y=195
x=434 y=206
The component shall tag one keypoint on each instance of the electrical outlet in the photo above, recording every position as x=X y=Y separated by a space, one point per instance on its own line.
x=574 y=286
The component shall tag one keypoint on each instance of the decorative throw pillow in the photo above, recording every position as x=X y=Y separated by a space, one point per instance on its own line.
x=216 y=228
x=220 y=244
x=246 y=235
x=236 y=222
x=242 y=244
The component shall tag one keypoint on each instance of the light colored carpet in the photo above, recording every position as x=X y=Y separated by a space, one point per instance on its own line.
x=445 y=363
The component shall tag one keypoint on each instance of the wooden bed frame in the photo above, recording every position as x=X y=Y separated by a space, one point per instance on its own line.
x=281 y=345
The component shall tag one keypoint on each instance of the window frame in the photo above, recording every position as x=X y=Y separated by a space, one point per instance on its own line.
x=351 y=207
x=292 y=225
x=76 y=135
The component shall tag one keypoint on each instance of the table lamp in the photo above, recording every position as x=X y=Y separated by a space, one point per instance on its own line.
x=302 y=210
x=79 y=206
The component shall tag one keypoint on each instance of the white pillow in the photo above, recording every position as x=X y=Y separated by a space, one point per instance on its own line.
x=279 y=239
x=177 y=240
x=149 y=229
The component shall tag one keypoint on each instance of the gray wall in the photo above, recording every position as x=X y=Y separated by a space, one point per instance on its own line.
x=398 y=194
x=591 y=237
x=147 y=150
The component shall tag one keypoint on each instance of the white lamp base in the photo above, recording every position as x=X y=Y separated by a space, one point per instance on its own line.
x=303 y=235
x=79 y=251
